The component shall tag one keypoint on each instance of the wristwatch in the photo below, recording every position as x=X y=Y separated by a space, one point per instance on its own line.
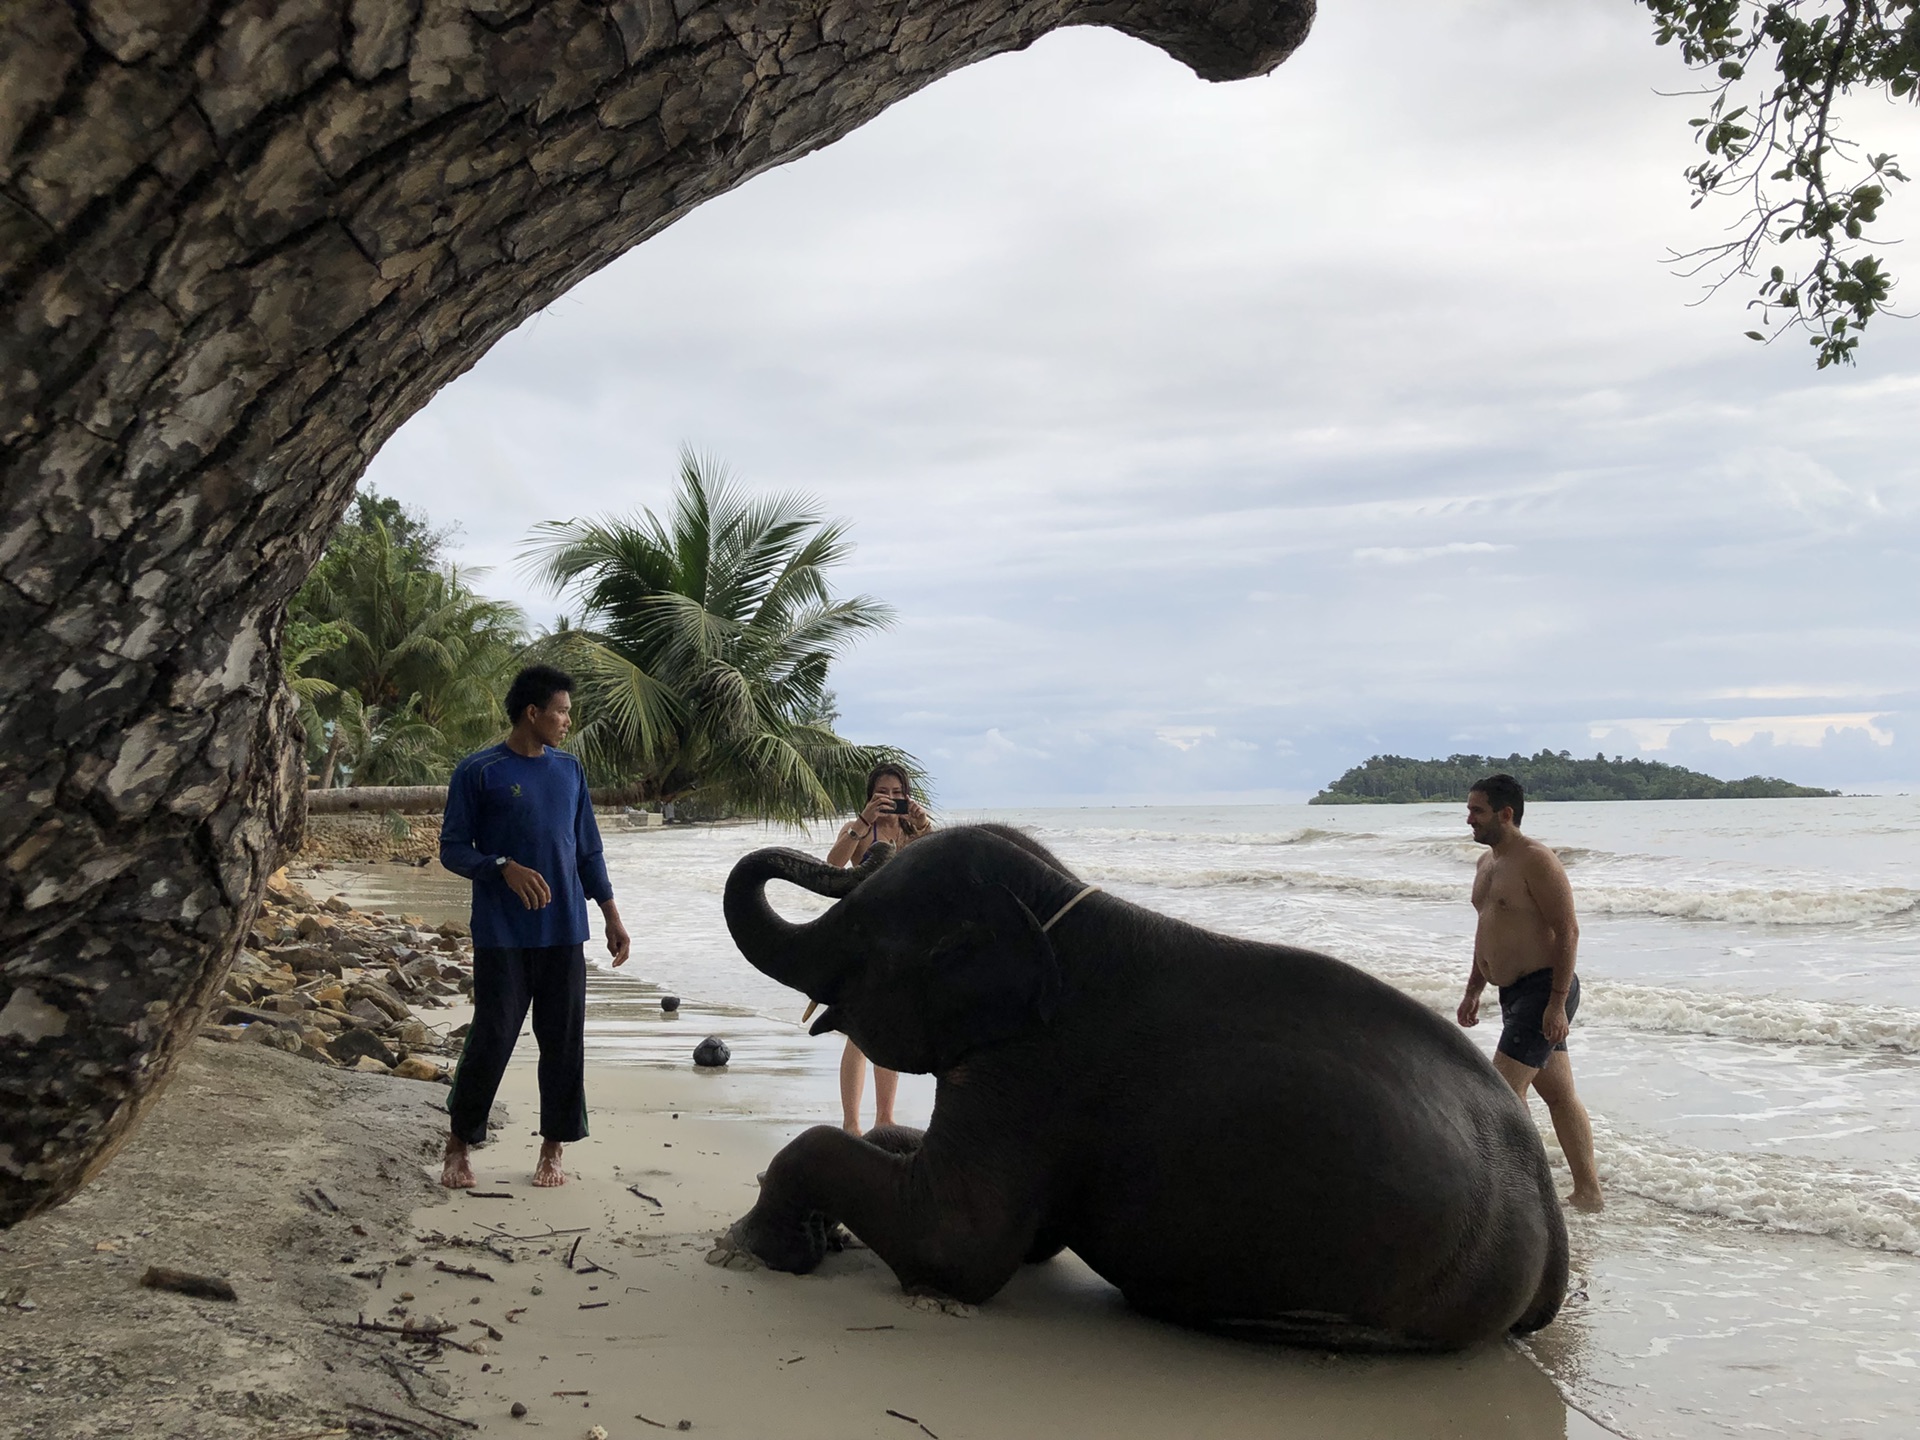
x=500 y=862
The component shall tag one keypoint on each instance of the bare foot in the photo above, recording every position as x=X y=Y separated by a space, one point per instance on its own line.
x=456 y=1173
x=1587 y=1200
x=548 y=1173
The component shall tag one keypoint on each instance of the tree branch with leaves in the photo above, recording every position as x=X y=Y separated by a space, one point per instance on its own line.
x=1777 y=70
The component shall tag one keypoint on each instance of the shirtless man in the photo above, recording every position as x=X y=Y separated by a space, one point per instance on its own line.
x=1525 y=944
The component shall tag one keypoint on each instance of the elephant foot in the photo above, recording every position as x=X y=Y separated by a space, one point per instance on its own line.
x=756 y=1239
x=934 y=1303
x=730 y=1254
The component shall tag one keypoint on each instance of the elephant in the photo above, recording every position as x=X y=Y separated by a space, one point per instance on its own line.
x=1242 y=1137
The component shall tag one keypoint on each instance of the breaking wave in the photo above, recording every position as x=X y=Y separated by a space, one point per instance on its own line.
x=1308 y=835
x=1784 y=1193
x=1774 y=1018
x=1738 y=905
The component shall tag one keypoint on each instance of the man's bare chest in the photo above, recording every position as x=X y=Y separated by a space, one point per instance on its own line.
x=1500 y=891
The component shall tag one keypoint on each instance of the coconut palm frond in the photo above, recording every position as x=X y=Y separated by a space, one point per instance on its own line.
x=416 y=661
x=705 y=643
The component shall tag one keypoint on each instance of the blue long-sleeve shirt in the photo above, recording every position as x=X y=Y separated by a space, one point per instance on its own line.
x=535 y=811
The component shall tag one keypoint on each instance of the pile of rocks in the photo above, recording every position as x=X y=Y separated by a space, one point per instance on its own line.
x=328 y=982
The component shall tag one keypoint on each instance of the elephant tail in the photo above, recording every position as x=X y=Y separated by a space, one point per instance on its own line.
x=1553 y=1274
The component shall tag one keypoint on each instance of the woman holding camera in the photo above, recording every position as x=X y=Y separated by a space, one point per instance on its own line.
x=891 y=815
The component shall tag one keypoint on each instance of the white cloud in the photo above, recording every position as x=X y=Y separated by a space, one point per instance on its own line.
x=1408 y=554
x=1353 y=404
x=1183 y=737
x=1807 y=730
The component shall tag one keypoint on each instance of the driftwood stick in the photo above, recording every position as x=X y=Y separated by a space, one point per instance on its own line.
x=185 y=1282
x=410 y=1423
x=415 y=1333
x=550 y=1234
x=389 y=1416
x=387 y=1364
x=467 y=1270
x=636 y=1190
x=442 y=1415
x=575 y=1250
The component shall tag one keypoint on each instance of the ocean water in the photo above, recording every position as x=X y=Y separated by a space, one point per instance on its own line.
x=1748 y=1044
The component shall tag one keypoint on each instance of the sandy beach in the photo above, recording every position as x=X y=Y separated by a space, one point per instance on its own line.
x=311 y=1190
x=280 y=1176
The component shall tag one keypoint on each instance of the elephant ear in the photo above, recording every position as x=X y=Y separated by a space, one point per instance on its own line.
x=992 y=976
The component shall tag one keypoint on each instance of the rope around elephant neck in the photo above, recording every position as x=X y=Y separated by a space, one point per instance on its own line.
x=1058 y=916
x=1061 y=913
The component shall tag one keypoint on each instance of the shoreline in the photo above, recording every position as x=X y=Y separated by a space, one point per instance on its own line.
x=831 y=1354
x=1737 y=1241
x=594 y=1304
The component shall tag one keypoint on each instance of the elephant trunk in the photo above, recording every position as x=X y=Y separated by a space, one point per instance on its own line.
x=781 y=949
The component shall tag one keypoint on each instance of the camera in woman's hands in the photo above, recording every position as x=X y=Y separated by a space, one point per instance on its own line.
x=899 y=807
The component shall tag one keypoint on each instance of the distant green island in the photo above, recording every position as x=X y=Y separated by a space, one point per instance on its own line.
x=1396 y=780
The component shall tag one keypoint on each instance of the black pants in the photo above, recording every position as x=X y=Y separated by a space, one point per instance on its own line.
x=553 y=979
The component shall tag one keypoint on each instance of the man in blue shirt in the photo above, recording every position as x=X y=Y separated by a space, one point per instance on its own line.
x=519 y=824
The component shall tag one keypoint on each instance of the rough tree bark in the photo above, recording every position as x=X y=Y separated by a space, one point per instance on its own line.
x=240 y=242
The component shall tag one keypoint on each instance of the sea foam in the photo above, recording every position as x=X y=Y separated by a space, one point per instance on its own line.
x=1874 y=1212
x=1656 y=1008
x=1738 y=905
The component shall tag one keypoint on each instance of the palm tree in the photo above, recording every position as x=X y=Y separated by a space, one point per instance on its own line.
x=416 y=659
x=304 y=642
x=704 y=649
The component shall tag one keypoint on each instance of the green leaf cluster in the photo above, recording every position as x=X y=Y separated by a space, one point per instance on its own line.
x=1777 y=69
x=398 y=665
x=702 y=649
x=1549 y=775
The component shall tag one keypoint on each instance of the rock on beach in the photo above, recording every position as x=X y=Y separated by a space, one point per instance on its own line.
x=336 y=985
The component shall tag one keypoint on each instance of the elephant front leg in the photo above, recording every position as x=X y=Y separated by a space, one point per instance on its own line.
x=961 y=1239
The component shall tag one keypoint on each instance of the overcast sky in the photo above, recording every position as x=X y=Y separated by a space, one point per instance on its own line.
x=1211 y=438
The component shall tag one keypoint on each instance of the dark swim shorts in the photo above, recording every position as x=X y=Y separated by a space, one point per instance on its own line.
x=1523 y=1006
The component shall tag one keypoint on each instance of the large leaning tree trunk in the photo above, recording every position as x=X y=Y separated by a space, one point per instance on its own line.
x=240 y=243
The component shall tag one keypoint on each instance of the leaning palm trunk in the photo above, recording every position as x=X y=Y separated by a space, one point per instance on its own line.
x=378 y=799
